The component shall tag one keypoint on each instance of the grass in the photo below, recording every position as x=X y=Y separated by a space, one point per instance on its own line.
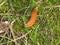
x=46 y=29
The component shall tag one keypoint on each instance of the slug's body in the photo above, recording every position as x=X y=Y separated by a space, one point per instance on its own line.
x=32 y=18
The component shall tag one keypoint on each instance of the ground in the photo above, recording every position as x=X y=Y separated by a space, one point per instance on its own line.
x=15 y=13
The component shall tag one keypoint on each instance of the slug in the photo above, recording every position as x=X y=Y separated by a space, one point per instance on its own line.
x=33 y=16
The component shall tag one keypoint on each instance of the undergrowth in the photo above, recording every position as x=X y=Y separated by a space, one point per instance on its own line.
x=46 y=29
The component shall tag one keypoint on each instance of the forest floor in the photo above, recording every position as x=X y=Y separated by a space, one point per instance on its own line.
x=15 y=13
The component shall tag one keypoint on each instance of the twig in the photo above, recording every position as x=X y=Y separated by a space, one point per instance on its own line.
x=54 y=6
x=11 y=29
x=6 y=14
x=1 y=31
x=22 y=36
x=6 y=37
x=24 y=8
x=3 y=3
x=11 y=5
x=26 y=42
x=4 y=34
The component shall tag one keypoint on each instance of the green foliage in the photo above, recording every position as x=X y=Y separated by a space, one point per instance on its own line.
x=46 y=29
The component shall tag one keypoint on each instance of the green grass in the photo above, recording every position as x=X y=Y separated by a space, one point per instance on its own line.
x=45 y=31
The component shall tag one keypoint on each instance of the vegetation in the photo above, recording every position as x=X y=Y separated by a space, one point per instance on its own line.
x=45 y=31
